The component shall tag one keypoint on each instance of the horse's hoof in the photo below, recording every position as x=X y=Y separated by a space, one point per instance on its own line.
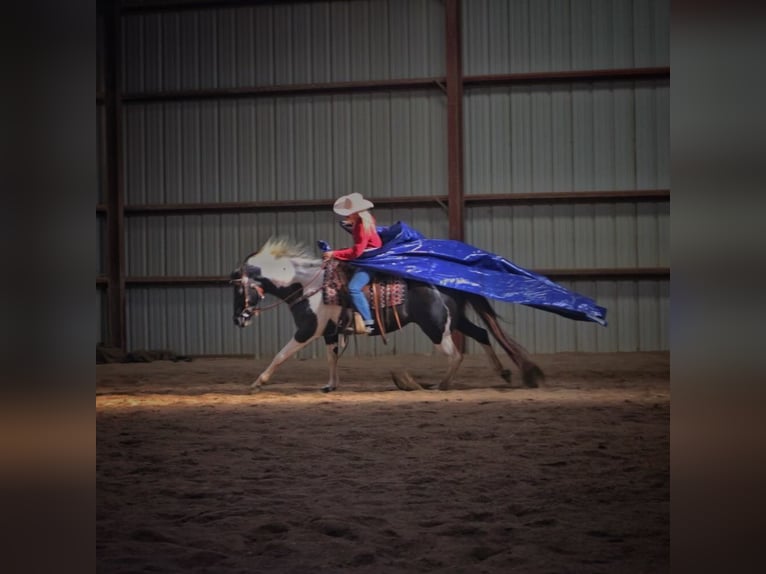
x=255 y=388
x=327 y=389
x=532 y=377
x=505 y=374
x=405 y=382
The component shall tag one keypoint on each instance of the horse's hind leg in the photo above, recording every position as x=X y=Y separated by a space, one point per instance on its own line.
x=531 y=374
x=481 y=336
x=454 y=357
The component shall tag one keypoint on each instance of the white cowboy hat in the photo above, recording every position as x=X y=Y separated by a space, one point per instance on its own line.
x=351 y=203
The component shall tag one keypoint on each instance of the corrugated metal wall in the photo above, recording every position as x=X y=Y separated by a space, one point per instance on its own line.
x=572 y=137
x=301 y=147
x=514 y=36
x=579 y=136
x=284 y=43
x=567 y=137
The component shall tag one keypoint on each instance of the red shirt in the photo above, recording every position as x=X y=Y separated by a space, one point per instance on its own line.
x=363 y=239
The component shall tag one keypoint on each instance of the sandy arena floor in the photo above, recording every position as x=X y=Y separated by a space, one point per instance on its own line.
x=194 y=474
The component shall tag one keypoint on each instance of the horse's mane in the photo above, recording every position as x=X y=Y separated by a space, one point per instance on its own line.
x=278 y=247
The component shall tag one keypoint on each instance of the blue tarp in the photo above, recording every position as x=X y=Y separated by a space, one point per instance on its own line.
x=457 y=265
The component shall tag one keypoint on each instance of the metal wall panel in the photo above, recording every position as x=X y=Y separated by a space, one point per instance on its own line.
x=599 y=235
x=187 y=320
x=283 y=43
x=576 y=137
x=318 y=147
x=579 y=136
x=517 y=36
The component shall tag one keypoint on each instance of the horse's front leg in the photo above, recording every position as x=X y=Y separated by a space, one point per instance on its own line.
x=285 y=353
x=332 y=363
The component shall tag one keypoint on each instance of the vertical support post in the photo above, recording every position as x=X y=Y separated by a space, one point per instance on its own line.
x=454 y=120
x=115 y=169
x=454 y=129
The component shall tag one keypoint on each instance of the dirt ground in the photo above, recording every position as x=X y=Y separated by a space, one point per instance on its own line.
x=194 y=474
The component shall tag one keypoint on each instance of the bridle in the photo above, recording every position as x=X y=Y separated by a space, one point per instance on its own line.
x=252 y=285
x=249 y=287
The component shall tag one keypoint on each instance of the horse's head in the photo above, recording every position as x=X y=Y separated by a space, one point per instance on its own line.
x=248 y=293
x=272 y=270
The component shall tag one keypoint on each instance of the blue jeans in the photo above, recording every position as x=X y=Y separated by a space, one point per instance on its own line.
x=359 y=280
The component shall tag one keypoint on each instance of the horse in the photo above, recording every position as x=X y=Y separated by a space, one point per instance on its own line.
x=290 y=273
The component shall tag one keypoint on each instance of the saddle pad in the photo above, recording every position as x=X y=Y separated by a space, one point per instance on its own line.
x=392 y=289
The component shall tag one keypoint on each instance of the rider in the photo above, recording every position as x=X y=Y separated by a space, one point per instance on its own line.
x=355 y=210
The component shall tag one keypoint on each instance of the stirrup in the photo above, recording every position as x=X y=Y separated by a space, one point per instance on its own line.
x=359 y=326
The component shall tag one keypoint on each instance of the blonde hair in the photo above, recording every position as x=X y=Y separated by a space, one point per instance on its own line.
x=367 y=220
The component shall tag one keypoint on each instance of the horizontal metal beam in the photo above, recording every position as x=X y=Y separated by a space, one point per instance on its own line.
x=160 y=281
x=570 y=197
x=602 y=75
x=284 y=90
x=248 y=206
x=616 y=273
x=154 y=6
x=432 y=83
x=414 y=201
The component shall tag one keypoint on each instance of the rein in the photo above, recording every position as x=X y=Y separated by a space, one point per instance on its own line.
x=302 y=297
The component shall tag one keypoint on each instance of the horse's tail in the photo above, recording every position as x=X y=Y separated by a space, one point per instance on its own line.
x=531 y=373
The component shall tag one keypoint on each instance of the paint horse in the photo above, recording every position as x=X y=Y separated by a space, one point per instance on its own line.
x=289 y=272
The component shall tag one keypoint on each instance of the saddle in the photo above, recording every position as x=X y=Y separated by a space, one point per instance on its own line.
x=383 y=292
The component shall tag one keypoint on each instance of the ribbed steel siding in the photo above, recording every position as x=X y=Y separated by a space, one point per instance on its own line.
x=284 y=43
x=516 y=36
x=312 y=147
x=584 y=236
x=319 y=147
x=574 y=137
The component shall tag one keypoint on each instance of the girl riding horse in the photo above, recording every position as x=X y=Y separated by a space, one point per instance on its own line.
x=355 y=209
